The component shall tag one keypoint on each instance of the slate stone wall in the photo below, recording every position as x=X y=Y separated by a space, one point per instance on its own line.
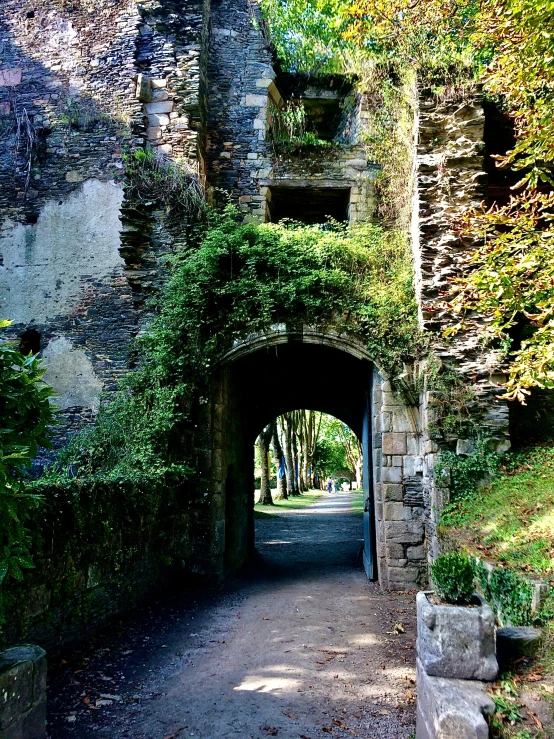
x=240 y=72
x=74 y=79
x=451 y=179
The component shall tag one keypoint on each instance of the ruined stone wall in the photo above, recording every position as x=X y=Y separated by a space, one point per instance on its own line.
x=240 y=72
x=81 y=83
x=68 y=76
x=451 y=179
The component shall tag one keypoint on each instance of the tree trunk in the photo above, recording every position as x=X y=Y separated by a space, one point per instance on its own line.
x=295 y=462
x=289 y=462
x=265 y=491
x=281 y=493
x=359 y=473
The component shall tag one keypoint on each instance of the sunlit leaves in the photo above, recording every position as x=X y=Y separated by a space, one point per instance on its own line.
x=25 y=415
x=510 y=278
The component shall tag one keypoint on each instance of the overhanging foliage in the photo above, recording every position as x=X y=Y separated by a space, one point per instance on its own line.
x=244 y=279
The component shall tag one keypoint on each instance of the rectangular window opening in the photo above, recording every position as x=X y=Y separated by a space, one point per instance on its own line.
x=308 y=204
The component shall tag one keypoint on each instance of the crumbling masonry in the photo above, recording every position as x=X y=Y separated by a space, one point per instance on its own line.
x=82 y=81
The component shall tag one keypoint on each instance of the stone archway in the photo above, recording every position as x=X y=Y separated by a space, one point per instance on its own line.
x=287 y=369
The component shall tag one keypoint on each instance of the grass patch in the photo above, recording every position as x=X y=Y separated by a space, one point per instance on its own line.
x=512 y=519
x=299 y=501
x=358 y=502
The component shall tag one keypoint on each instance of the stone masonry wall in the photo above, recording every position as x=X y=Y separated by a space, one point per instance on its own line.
x=23 y=691
x=87 y=81
x=240 y=72
x=398 y=488
x=450 y=179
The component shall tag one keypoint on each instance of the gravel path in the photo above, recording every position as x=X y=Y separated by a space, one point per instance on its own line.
x=300 y=647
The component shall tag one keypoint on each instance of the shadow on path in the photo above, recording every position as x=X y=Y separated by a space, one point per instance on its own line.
x=296 y=647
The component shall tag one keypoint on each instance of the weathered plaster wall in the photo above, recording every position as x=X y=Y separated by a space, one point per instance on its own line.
x=72 y=270
x=44 y=264
x=71 y=374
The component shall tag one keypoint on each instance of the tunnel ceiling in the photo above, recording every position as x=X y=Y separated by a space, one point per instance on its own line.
x=273 y=381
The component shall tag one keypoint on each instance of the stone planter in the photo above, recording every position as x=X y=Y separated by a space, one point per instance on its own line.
x=456 y=641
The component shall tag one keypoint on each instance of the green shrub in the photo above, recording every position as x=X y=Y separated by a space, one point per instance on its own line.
x=453 y=577
x=244 y=278
x=25 y=415
x=509 y=594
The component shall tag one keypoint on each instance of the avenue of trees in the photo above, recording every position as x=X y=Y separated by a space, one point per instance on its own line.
x=300 y=450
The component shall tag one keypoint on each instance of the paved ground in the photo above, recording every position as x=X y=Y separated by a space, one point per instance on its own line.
x=300 y=647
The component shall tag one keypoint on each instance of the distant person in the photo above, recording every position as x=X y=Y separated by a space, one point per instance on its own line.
x=329 y=485
x=344 y=487
x=335 y=486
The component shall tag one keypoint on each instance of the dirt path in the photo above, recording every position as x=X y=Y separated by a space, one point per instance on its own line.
x=297 y=649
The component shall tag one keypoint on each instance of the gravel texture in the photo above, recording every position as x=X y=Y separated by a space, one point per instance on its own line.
x=300 y=646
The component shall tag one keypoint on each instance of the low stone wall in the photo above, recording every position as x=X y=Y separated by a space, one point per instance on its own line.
x=23 y=693
x=104 y=547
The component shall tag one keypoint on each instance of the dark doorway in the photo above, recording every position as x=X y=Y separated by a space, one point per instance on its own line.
x=29 y=342
x=264 y=384
x=308 y=204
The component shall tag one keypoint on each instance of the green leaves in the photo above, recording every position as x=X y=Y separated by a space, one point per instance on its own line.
x=510 y=280
x=244 y=279
x=25 y=417
x=453 y=576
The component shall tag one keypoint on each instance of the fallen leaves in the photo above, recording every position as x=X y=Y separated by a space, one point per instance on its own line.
x=535 y=718
x=290 y=715
x=270 y=730
x=175 y=733
x=398 y=628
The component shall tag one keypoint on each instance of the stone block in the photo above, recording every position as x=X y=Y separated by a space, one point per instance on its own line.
x=416 y=553
x=404 y=532
x=143 y=90
x=465 y=447
x=403 y=577
x=514 y=642
x=456 y=641
x=157 y=84
x=164 y=106
x=412 y=465
x=412 y=443
x=158 y=119
x=153 y=133
x=159 y=95
x=396 y=512
x=391 y=474
x=392 y=492
x=451 y=709
x=23 y=691
x=258 y=101
x=10 y=77
x=394 y=443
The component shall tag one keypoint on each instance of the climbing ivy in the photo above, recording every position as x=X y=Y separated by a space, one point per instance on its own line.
x=244 y=278
x=508 y=593
x=464 y=472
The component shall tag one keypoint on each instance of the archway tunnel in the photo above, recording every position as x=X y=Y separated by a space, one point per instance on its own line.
x=256 y=387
